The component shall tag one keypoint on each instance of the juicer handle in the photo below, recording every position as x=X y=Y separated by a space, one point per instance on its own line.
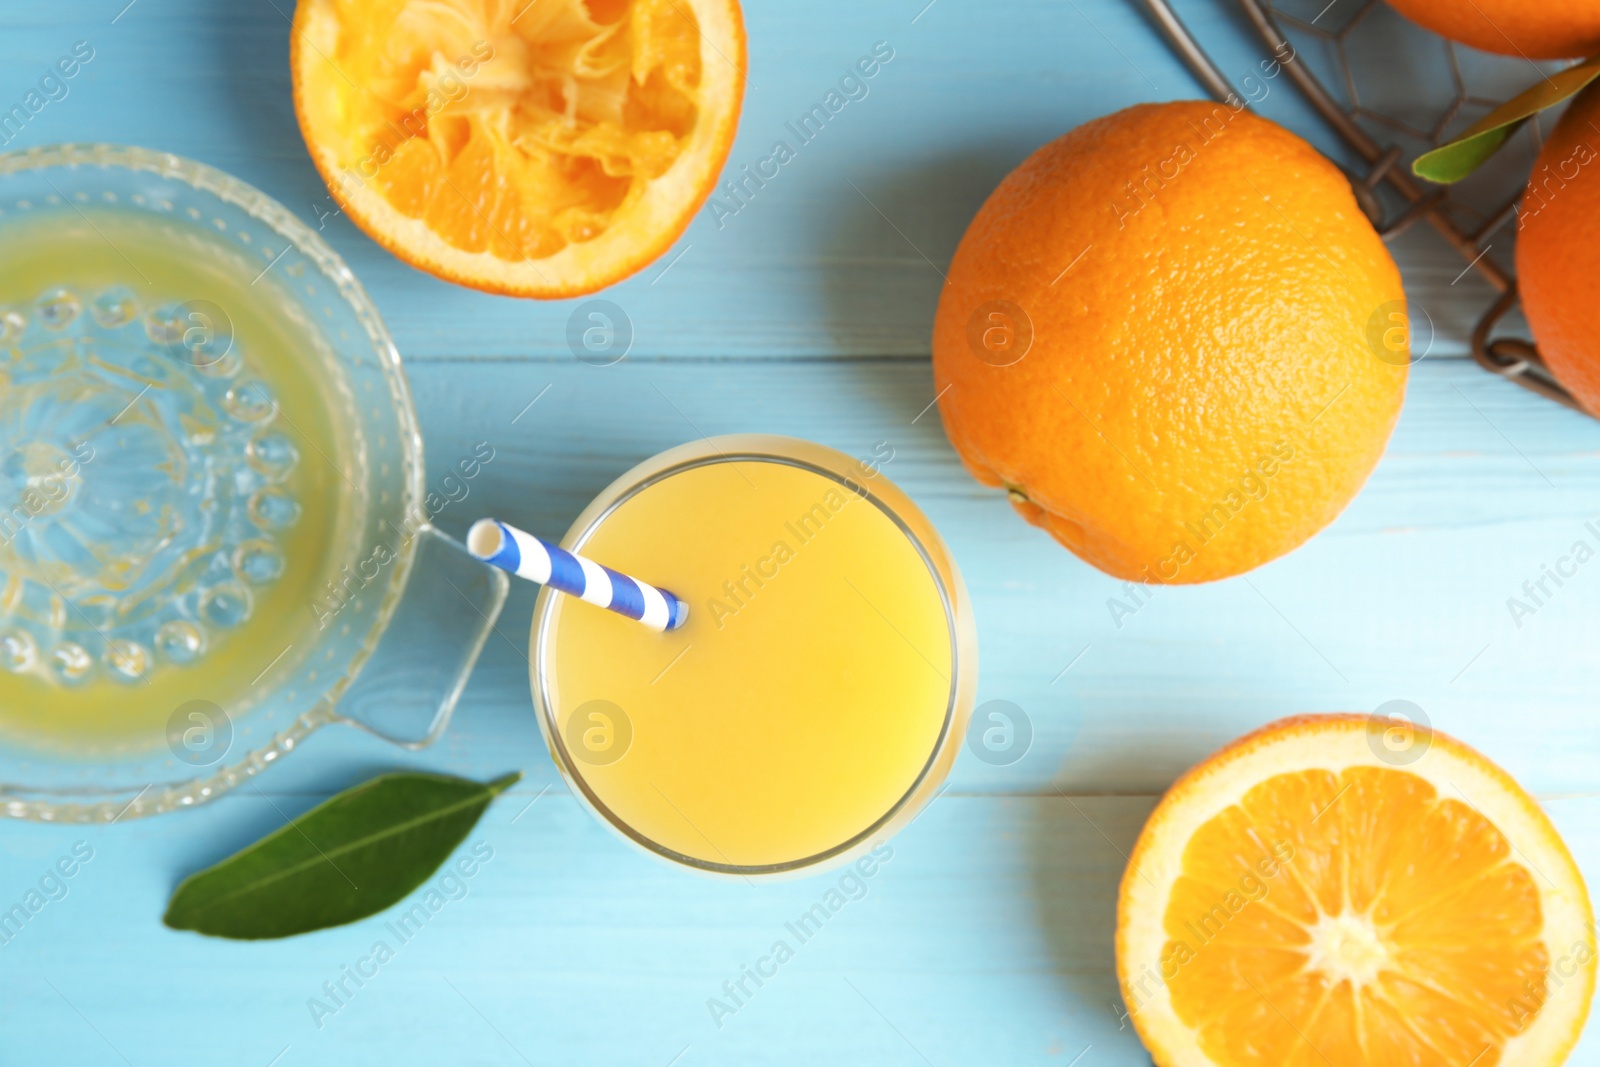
x=409 y=686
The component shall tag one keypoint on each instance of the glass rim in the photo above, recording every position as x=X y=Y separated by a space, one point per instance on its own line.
x=952 y=596
x=81 y=805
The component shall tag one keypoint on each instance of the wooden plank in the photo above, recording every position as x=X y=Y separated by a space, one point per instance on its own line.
x=1403 y=597
x=839 y=256
x=985 y=938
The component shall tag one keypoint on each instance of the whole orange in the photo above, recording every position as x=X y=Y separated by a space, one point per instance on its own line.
x=1173 y=336
x=1558 y=250
x=1533 y=29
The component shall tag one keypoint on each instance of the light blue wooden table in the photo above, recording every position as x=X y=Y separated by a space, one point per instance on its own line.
x=986 y=939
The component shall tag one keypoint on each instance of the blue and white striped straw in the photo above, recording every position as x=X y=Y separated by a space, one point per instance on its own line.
x=528 y=557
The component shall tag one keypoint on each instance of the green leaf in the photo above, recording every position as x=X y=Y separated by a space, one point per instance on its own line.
x=1453 y=161
x=350 y=857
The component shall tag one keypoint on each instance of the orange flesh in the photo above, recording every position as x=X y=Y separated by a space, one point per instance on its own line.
x=551 y=117
x=1358 y=917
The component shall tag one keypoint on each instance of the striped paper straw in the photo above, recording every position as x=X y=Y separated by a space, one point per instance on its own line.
x=537 y=560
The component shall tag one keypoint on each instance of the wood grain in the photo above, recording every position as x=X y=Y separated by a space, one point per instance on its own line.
x=987 y=938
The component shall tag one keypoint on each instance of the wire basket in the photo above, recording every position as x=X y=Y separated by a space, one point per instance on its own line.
x=1386 y=144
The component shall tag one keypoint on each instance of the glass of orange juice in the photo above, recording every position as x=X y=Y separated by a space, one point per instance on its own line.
x=814 y=700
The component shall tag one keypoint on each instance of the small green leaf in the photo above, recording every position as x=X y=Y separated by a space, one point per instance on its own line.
x=1453 y=161
x=350 y=857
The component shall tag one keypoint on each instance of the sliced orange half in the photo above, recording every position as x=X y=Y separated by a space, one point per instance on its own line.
x=541 y=148
x=1305 y=899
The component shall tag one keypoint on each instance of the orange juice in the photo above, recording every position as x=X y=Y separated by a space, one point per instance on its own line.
x=809 y=704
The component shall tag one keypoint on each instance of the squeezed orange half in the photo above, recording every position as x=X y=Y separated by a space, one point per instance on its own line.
x=530 y=147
